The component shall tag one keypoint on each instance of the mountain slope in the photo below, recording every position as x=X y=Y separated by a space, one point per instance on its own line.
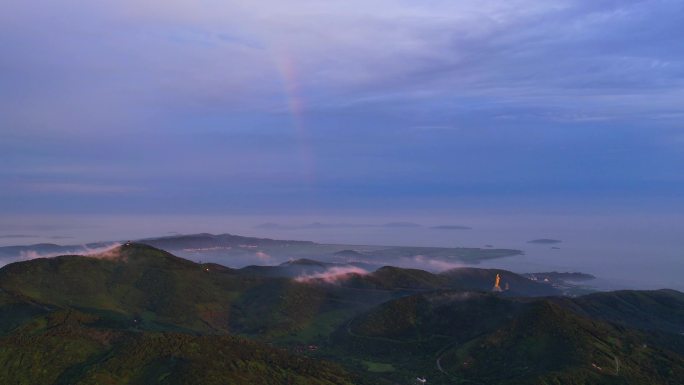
x=550 y=345
x=661 y=310
x=137 y=314
x=466 y=279
x=64 y=348
x=454 y=336
x=139 y=283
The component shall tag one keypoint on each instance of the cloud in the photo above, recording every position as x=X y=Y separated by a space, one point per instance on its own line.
x=107 y=252
x=100 y=100
x=30 y=254
x=332 y=275
x=110 y=251
x=229 y=54
x=415 y=262
x=263 y=257
x=432 y=264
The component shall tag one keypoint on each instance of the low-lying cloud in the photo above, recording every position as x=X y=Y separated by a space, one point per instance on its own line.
x=107 y=252
x=110 y=251
x=432 y=264
x=262 y=256
x=332 y=275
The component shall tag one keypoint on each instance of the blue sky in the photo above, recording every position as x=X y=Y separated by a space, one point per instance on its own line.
x=257 y=107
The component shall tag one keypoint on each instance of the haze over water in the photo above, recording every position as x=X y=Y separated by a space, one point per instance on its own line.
x=627 y=251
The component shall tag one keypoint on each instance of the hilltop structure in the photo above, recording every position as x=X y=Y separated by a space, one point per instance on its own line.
x=497 y=284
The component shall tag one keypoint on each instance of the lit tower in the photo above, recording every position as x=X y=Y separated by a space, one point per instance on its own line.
x=497 y=284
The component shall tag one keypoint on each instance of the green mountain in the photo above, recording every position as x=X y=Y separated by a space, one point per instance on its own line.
x=469 y=337
x=483 y=280
x=140 y=315
x=661 y=310
x=548 y=344
x=163 y=292
x=70 y=347
x=468 y=279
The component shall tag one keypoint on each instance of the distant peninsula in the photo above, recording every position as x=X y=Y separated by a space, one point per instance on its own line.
x=545 y=241
x=451 y=227
x=560 y=276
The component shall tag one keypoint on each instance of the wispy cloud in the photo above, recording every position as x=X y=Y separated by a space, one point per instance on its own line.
x=511 y=51
x=432 y=264
x=262 y=257
x=110 y=251
x=332 y=275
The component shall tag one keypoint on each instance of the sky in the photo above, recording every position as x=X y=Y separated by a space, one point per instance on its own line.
x=339 y=107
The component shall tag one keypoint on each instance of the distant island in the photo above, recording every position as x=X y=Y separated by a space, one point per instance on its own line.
x=320 y=225
x=313 y=225
x=401 y=224
x=451 y=227
x=545 y=241
x=347 y=253
x=558 y=276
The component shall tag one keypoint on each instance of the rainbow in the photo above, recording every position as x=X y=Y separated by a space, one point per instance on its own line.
x=291 y=85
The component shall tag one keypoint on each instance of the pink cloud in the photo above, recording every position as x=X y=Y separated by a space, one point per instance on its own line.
x=332 y=275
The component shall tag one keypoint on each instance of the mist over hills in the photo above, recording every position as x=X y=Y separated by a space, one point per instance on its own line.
x=139 y=314
x=240 y=251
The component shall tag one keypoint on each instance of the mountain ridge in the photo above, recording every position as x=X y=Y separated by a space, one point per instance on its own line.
x=398 y=319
